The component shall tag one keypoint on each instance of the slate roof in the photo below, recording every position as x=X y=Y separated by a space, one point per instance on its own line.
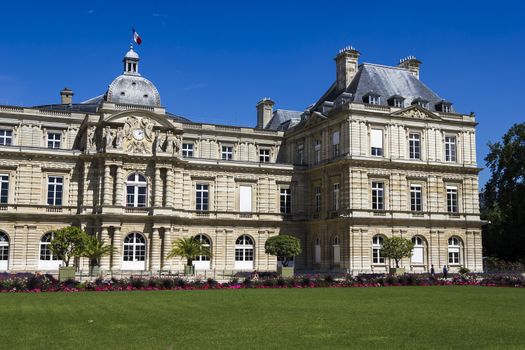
x=283 y=119
x=74 y=107
x=385 y=81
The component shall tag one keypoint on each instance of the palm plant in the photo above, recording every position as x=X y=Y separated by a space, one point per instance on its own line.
x=189 y=248
x=94 y=249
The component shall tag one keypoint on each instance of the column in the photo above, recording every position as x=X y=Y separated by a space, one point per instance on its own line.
x=155 y=250
x=116 y=256
x=169 y=188
x=107 y=185
x=157 y=201
x=120 y=184
x=166 y=245
x=104 y=261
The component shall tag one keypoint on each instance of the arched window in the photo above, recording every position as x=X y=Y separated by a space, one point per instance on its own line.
x=418 y=251
x=337 y=250
x=4 y=251
x=47 y=260
x=454 y=251
x=134 y=256
x=377 y=244
x=317 y=251
x=244 y=253
x=202 y=262
x=136 y=190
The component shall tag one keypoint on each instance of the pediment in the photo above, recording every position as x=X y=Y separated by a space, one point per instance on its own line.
x=157 y=120
x=416 y=112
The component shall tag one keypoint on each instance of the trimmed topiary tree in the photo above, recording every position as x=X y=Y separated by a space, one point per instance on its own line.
x=397 y=248
x=68 y=243
x=284 y=247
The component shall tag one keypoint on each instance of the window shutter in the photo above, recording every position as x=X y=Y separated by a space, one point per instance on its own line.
x=376 y=138
x=245 y=198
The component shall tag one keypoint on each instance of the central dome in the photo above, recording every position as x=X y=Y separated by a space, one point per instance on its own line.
x=131 y=87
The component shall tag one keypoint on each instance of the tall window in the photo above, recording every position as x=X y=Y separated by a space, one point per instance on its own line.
x=187 y=150
x=378 y=195
x=317 y=199
x=136 y=190
x=452 y=199
x=450 y=148
x=335 y=197
x=4 y=189
x=335 y=144
x=286 y=201
x=55 y=186
x=336 y=250
x=53 y=139
x=244 y=252
x=205 y=242
x=373 y=99
x=201 y=197
x=377 y=245
x=376 y=142
x=6 y=137
x=300 y=154
x=416 y=203
x=454 y=249
x=45 y=247
x=4 y=250
x=264 y=155
x=317 y=152
x=414 y=146
x=227 y=152
x=417 y=252
x=317 y=250
x=245 y=198
x=134 y=248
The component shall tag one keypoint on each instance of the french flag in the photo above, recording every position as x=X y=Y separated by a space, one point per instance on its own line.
x=136 y=37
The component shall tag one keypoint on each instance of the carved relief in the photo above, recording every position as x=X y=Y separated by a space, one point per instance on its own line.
x=138 y=135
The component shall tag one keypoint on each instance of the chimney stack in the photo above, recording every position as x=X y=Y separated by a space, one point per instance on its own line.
x=264 y=112
x=346 y=63
x=66 y=96
x=411 y=63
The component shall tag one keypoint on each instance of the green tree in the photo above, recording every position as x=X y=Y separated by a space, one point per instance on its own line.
x=188 y=248
x=284 y=247
x=503 y=200
x=397 y=248
x=94 y=249
x=68 y=243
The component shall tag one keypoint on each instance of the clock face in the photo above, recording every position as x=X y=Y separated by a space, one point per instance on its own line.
x=138 y=134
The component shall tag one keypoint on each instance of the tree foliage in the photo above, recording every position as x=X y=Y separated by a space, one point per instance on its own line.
x=397 y=248
x=94 y=249
x=68 y=243
x=503 y=202
x=284 y=247
x=188 y=248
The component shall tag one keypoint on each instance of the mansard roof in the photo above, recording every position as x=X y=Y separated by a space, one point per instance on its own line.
x=283 y=119
x=386 y=82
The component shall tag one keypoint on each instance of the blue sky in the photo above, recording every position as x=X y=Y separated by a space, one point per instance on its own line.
x=212 y=61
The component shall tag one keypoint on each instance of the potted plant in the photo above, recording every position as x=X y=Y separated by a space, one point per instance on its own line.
x=94 y=249
x=397 y=248
x=188 y=248
x=68 y=243
x=285 y=247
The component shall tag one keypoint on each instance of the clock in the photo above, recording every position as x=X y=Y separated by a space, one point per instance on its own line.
x=138 y=134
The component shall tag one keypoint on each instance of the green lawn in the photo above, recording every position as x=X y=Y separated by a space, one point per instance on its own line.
x=378 y=318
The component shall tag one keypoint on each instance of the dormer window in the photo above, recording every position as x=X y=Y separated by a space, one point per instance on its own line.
x=444 y=106
x=396 y=101
x=372 y=98
x=420 y=102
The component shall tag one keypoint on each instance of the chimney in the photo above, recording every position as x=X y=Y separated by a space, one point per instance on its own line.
x=410 y=63
x=66 y=96
x=264 y=112
x=346 y=66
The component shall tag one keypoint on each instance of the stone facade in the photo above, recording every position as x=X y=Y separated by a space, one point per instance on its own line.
x=139 y=178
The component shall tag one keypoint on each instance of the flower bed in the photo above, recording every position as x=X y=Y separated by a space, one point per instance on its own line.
x=46 y=283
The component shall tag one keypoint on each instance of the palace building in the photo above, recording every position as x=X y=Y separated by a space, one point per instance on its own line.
x=379 y=154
